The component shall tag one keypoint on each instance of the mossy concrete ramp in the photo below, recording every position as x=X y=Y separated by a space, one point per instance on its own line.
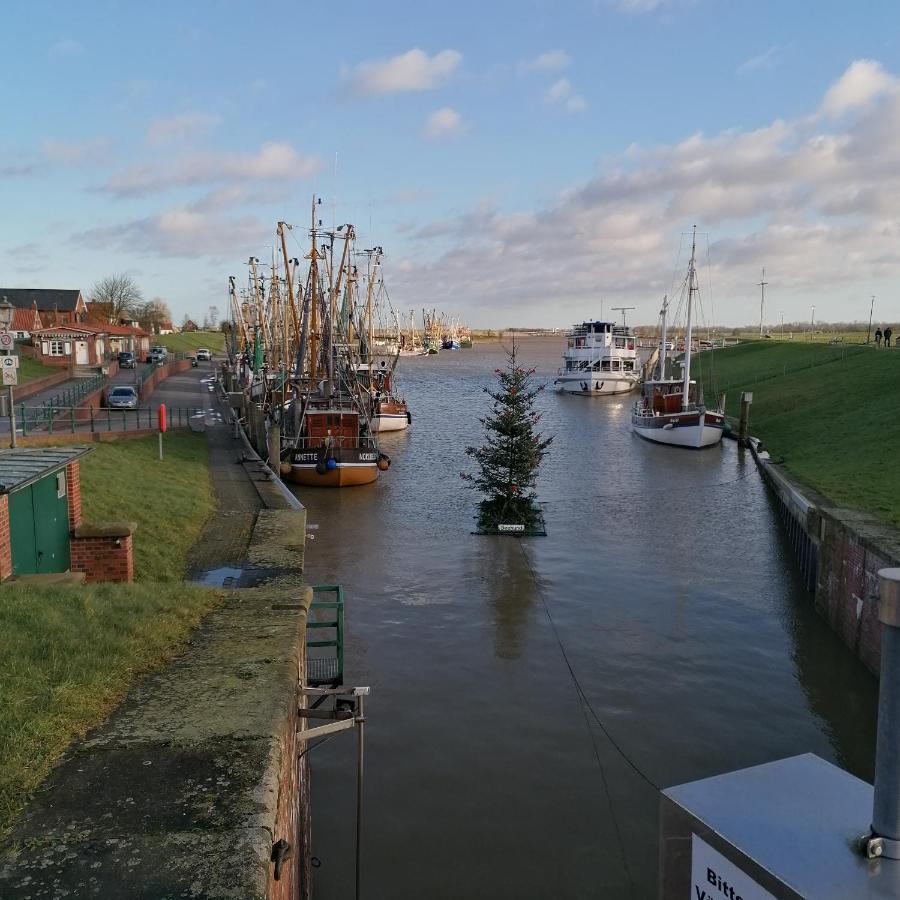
x=188 y=786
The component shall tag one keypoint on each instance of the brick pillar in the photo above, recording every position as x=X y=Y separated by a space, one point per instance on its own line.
x=104 y=552
x=73 y=488
x=5 y=545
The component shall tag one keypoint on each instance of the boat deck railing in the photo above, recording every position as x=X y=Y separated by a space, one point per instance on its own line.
x=334 y=442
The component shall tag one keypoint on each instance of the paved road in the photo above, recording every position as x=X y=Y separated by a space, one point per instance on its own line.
x=187 y=396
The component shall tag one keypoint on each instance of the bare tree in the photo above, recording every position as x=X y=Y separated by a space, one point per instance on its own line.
x=116 y=295
x=154 y=314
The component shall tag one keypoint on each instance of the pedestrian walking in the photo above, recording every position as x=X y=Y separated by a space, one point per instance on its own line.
x=887 y=336
x=878 y=337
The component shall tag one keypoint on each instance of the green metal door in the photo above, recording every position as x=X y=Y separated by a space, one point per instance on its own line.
x=51 y=524
x=21 y=532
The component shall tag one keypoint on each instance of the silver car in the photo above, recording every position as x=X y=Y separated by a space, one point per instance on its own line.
x=123 y=397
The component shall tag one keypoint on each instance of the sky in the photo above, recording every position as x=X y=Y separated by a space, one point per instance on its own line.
x=521 y=163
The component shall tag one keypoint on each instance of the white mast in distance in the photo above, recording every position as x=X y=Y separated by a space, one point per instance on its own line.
x=688 y=325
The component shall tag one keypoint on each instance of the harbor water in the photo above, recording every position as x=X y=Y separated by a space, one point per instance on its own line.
x=530 y=695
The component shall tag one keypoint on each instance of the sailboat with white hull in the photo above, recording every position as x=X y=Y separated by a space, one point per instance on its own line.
x=671 y=411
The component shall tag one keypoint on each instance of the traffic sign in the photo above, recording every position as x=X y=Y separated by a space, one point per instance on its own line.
x=10 y=362
x=10 y=376
x=6 y=340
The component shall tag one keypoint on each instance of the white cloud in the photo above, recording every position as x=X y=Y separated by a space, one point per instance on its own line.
x=73 y=153
x=67 y=47
x=414 y=70
x=815 y=200
x=274 y=161
x=550 y=61
x=182 y=232
x=637 y=7
x=862 y=83
x=561 y=94
x=443 y=123
x=184 y=126
x=765 y=60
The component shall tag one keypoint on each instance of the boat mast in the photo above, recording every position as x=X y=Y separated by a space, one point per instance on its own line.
x=314 y=302
x=691 y=278
x=662 y=344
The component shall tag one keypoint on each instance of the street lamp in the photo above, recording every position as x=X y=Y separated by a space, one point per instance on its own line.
x=7 y=310
x=6 y=314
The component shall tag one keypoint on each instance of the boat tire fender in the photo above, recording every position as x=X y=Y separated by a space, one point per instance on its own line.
x=384 y=462
x=408 y=417
x=321 y=461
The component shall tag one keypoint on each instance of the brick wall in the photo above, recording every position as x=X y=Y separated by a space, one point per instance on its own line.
x=73 y=488
x=5 y=546
x=104 y=553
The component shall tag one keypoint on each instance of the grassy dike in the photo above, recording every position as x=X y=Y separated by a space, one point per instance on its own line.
x=828 y=413
x=68 y=654
x=188 y=341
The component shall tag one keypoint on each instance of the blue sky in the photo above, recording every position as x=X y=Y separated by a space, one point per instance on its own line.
x=519 y=162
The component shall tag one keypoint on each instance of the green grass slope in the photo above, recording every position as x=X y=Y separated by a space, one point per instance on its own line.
x=188 y=341
x=830 y=414
x=29 y=369
x=68 y=654
x=170 y=499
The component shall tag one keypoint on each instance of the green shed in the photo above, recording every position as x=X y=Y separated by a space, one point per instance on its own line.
x=34 y=485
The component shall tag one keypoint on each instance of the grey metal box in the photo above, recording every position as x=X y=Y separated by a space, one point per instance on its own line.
x=786 y=829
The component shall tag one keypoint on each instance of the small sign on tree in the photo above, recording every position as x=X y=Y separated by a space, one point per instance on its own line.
x=508 y=462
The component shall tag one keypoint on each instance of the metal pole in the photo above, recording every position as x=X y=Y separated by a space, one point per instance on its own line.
x=885 y=839
x=871 y=310
x=360 y=750
x=12 y=420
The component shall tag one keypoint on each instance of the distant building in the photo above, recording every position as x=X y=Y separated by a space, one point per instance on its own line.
x=166 y=327
x=25 y=322
x=56 y=307
x=190 y=325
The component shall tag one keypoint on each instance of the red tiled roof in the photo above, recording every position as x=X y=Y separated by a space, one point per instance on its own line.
x=100 y=328
x=25 y=320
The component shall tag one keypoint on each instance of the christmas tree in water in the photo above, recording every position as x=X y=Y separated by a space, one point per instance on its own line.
x=509 y=460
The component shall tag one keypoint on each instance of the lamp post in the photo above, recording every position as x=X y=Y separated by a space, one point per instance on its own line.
x=6 y=316
x=871 y=310
x=812 y=321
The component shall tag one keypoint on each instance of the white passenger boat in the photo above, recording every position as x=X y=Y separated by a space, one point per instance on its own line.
x=600 y=359
x=671 y=411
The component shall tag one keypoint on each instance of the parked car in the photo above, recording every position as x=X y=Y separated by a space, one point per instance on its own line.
x=122 y=396
x=204 y=354
x=127 y=360
x=158 y=355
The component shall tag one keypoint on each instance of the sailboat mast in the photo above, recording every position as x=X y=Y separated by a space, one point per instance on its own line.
x=685 y=399
x=662 y=343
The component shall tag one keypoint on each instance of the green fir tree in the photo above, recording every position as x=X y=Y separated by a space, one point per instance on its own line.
x=508 y=462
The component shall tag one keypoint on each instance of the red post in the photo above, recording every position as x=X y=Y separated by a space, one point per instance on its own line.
x=161 y=418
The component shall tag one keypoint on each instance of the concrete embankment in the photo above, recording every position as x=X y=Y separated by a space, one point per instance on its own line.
x=188 y=788
x=839 y=552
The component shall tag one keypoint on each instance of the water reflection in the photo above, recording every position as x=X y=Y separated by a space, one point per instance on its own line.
x=507 y=583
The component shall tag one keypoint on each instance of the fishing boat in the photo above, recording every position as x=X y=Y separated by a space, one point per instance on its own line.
x=671 y=410
x=388 y=410
x=328 y=434
x=600 y=359
x=431 y=339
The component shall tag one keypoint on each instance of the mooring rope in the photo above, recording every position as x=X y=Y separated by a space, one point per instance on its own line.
x=587 y=706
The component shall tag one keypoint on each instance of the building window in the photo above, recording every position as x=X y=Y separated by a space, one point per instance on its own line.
x=57 y=348
x=61 y=484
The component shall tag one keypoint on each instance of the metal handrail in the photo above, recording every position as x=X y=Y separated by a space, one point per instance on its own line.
x=76 y=419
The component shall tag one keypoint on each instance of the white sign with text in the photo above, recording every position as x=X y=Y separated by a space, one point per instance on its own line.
x=715 y=878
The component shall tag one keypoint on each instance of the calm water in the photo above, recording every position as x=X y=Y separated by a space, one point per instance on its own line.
x=674 y=598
